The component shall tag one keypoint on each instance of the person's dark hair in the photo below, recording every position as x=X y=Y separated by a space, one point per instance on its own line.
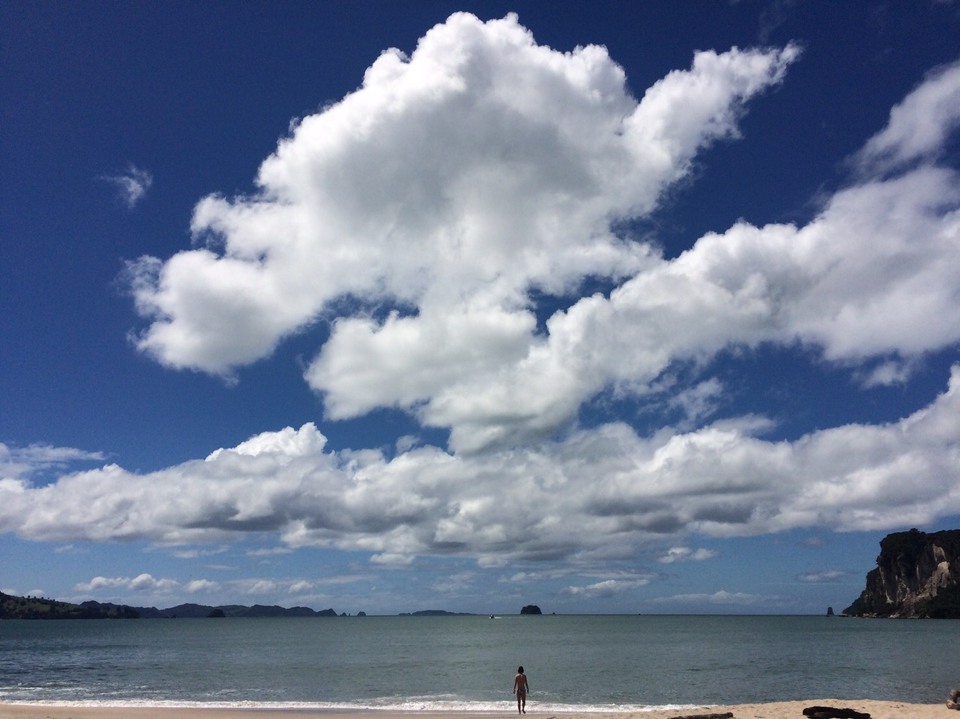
x=520 y=670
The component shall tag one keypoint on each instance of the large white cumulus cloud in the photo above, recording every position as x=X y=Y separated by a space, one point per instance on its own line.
x=593 y=490
x=458 y=179
x=461 y=183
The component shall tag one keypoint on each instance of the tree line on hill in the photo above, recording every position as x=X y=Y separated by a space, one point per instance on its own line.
x=12 y=607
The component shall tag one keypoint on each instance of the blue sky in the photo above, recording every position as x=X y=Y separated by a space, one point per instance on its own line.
x=627 y=307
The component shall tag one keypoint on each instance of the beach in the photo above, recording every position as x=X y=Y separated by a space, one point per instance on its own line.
x=772 y=710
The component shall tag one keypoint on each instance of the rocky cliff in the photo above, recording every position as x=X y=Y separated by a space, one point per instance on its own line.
x=917 y=575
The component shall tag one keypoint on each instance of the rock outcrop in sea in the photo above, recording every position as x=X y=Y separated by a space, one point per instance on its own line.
x=917 y=576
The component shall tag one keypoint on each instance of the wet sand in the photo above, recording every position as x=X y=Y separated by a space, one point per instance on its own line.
x=776 y=710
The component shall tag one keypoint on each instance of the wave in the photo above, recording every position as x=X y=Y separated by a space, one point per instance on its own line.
x=398 y=705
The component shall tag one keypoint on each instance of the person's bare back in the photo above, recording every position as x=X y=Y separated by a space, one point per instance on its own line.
x=520 y=688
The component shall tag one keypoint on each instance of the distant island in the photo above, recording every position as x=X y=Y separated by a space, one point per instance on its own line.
x=191 y=611
x=917 y=576
x=12 y=607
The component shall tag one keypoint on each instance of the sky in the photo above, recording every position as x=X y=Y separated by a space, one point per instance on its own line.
x=609 y=307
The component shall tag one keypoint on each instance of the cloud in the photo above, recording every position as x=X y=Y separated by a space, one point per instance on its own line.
x=392 y=559
x=885 y=374
x=259 y=586
x=301 y=586
x=22 y=463
x=920 y=126
x=608 y=588
x=433 y=215
x=195 y=553
x=826 y=575
x=455 y=584
x=686 y=554
x=131 y=186
x=147 y=584
x=502 y=167
x=268 y=552
x=720 y=598
x=199 y=586
x=561 y=499
x=452 y=184
x=141 y=583
x=698 y=402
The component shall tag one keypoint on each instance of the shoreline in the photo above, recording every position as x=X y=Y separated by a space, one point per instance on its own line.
x=772 y=710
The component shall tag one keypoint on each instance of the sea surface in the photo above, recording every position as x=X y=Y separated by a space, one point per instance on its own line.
x=574 y=663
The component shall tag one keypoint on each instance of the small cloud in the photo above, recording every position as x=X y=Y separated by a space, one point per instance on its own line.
x=827 y=575
x=261 y=586
x=131 y=186
x=392 y=559
x=140 y=583
x=722 y=598
x=609 y=587
x=406 y=443
x=456 y=583
x=196 y=553
x=22 y=462
x=201 y=585
x=699 y=402
x=145 y=581
x=887 y=374
x=269 y=552
x=686 y=554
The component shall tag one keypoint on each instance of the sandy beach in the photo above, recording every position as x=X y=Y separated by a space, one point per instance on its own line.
x=777 y=710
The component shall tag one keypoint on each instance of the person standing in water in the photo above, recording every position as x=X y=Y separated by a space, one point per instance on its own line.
x=520 y=688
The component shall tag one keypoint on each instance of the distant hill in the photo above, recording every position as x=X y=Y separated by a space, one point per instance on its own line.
x=188 y=611
x=33 y=608
x=917 y=576
x=12 y=607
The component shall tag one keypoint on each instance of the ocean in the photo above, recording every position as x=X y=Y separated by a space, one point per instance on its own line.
x=574 y=663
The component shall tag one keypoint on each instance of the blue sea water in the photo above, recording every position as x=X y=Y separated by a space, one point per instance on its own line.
x=574 y=663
